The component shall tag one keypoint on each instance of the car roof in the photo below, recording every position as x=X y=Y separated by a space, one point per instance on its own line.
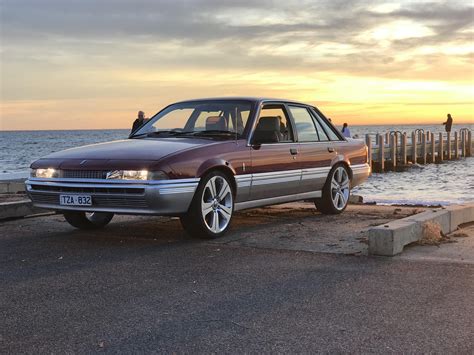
x=244 y=98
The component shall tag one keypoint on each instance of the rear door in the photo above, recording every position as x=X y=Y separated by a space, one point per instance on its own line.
x=275 y=166
x=315 y=149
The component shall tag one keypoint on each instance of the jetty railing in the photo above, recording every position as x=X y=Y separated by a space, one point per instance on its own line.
x=395 y=151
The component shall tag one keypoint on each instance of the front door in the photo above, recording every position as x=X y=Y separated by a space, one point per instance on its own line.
x=275 y=170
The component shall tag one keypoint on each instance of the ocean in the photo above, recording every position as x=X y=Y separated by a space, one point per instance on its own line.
x=447 y=183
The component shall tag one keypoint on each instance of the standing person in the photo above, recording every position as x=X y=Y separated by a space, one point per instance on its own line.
x=139 y=121
x=448 y=123
x=345 y=131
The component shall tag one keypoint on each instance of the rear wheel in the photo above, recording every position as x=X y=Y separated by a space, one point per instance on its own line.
x=336 y=191
x=88 y=220
x=210 y=213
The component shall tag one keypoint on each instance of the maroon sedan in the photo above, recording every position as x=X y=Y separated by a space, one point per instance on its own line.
x=202 y=160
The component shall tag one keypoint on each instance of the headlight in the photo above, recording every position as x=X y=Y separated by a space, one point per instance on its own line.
x=136 y=175
x=45 y=173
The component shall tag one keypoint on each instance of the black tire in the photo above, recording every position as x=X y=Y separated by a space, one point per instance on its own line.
x=88 y=221
x=199 y=224
x=330 y=202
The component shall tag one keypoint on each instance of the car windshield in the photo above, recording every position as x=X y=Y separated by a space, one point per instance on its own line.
x=199 y=118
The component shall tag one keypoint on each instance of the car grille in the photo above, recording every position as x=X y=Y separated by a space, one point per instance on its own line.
x=84 y=174
x=90 y=190
x=97 y=201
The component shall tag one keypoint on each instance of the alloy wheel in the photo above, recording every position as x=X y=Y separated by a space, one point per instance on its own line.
x=340 y=188
x=217 y=204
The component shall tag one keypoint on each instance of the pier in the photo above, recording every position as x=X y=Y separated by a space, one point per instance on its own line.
x=395 y=151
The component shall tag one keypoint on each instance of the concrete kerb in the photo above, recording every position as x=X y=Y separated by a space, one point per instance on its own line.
x=12 y=187
x=389 y=239
x=18 y=209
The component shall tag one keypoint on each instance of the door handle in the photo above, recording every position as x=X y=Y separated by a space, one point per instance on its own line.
x=330 y=150
x=293 y=151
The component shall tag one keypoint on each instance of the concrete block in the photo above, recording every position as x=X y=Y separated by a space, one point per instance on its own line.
x=11 y=187
x=389 y=239
x=18 y=209
x=443 y=217
x=460 y=214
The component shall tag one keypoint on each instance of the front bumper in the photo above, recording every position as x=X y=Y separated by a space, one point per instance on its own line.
x=160 y=197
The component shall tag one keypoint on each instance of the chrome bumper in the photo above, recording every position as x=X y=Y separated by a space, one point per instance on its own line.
x=160 y=197
x=360 y=173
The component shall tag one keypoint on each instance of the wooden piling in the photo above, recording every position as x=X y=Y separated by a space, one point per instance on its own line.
x=440 y=148
x=413 y=147
x=387 y=137
x=369 y=149
x=423 y=148
x=403 y=158
x=393 y=150
x=433 y=148
x=469 y=144
x=463 y=143
x=381 y=153
x=456 y=145
x=449 y=146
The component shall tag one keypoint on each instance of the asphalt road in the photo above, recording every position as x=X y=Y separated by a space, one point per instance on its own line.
x=141 y=286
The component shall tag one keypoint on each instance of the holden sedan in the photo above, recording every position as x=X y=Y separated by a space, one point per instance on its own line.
x=203 y=160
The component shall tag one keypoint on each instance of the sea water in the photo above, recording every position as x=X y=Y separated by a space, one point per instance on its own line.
x=446 y=183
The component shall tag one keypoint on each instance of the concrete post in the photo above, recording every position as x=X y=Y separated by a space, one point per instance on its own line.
x=433 y=148
x=369 y=149
x=393 y=151
x=469 y=144
x=413 y=147
x=440 y=148
x=404 y=149
x=382 y=153
x=449 y=145
x=423 y=148
x=456 y=145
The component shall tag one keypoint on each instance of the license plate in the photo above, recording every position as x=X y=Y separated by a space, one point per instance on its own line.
x=75 y=200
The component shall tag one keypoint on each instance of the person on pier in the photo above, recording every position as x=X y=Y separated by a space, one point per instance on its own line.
x=345 y=131
x=448 y=123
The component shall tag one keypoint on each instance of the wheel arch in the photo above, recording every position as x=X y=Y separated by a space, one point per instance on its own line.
x=223 y=167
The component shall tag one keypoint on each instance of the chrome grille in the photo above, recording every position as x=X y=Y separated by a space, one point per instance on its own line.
x=84 y=174
x=90 y=190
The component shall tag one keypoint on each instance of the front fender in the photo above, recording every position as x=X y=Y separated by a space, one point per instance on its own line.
x=215 y=163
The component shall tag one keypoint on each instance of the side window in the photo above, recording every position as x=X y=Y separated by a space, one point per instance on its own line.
x=304 y=124
x=323 y=137
x=329 y=130
x=273 y=126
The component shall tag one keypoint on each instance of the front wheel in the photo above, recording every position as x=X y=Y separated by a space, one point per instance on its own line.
x=86 y=220
x=210 y=213
x=336 y=191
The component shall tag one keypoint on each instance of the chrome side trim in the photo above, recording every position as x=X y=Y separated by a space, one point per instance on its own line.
x=315 y=173
x=276 y=200
x=244 y=180
x=276 y=177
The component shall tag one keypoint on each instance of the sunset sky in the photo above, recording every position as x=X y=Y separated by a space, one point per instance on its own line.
x=78 y=64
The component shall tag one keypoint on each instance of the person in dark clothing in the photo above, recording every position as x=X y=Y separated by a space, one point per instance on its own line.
x=139 y=121
x=448 y=123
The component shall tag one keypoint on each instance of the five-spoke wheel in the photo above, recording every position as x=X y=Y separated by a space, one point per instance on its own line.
x=210 y=213
x=336 y=191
